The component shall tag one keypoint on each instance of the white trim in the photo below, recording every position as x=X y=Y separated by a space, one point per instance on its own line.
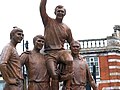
x=110 y=81
x=1 y=78
x=115 y=74
x=114 y=67
x=113 y=60
x=111 y=88
x=113 y=53
x=90 y=55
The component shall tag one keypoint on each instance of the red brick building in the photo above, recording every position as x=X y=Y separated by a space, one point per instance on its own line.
x=104 y=53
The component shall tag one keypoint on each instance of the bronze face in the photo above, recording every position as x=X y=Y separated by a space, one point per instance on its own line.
x=18 y=36
x=39 y=43
x=60 y=13
x=75 y=48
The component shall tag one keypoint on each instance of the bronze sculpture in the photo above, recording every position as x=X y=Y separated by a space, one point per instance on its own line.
x=81 y=71
x=38 y=78
x=10 y=66
x=56 y=33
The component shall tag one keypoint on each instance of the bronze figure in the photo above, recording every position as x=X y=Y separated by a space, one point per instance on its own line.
x=81 y=71
x=56 y=33
x=10 y=65
x=38 y=78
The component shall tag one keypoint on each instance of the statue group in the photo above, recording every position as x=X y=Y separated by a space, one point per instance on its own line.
x=45 y=71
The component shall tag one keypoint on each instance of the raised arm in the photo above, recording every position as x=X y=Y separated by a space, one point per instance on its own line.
x=43 y=13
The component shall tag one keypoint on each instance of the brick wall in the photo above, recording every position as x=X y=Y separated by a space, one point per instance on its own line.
x=109 y=72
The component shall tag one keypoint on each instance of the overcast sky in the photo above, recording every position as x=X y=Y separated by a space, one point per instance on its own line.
x=88 y=19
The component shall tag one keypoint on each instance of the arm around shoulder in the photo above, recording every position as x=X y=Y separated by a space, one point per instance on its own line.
x=24 y=57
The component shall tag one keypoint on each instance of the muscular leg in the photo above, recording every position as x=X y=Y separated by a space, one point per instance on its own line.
x=52 y=69
x=67 y=75
x=67 y=59
x=67 y=71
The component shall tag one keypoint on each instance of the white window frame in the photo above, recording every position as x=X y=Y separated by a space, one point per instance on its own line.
x=93 y=57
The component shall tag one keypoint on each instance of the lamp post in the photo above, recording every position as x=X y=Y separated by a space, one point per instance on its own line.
x=94 y=72
x=24 y=83
x=26 y=45
x=24 y=74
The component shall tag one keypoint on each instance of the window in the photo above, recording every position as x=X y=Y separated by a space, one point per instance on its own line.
x=93 y=61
